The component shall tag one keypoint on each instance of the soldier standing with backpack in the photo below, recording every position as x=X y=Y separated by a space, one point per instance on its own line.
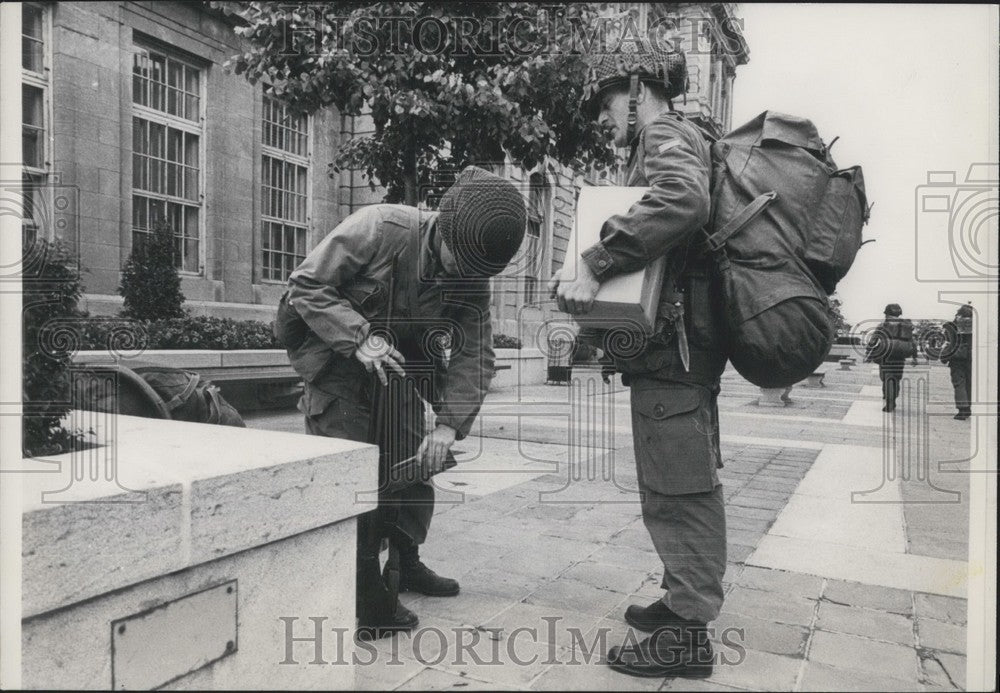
x=892 y=343
x=958 y=357
x=675 y=379
x=359 y=321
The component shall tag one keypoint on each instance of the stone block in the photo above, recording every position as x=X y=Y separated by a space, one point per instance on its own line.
x=583 y=597
x=607 y=577
x=937 y=635
x=188 y=358
x=862 y=654
x=85 y=547
x=543 y=624
x=796 y=584
x=255 y=357
x=823 y=677
x=244 y=508
x=877 y=625
x=429 y=679
x=770 y=606
x=869 y=596
x=311 y=574
x=939 y=608
x=760 y=634
x=945 y=670
x=756 y=670
x=169 y=494
x=744 y=500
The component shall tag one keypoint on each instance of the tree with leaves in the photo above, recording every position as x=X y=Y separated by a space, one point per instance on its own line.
x=446 y=84
x=835 y=309
x=151 y=285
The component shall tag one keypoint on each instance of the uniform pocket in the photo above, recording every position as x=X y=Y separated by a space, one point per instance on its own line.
x=368 y=296
x=674 y=438
x=335 y=415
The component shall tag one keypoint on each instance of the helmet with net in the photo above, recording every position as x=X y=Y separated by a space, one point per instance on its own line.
x=634 y=62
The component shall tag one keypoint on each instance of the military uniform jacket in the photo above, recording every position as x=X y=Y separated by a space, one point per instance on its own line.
x=671 y=157
x=376 y=270
x=674 y=411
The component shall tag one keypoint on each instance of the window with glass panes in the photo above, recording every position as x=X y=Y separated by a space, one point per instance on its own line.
x=533 y=247
x=34 y=109
x=166 y=151
x=284 y=205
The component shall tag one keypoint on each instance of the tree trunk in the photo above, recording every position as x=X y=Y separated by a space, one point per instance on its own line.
x=410 y=173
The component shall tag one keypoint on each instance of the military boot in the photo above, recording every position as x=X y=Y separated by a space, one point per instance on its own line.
x=672 y=651
x=414 y=576
x=656 y=615
x=380 y=614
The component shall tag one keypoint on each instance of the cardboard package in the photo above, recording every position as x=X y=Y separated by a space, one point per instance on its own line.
x=626 y=301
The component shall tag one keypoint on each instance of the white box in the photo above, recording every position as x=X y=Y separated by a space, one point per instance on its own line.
x=627 y=300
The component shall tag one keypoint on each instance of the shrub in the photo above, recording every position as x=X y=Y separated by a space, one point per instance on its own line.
x=190 y=332
x=52 y=290
x=151 y=285
x=503 y=341
x=201 y=332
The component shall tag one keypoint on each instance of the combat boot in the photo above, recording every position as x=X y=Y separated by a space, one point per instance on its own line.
x=673 y=651
x=414 y=576
x=656 y=615
x=380 y=614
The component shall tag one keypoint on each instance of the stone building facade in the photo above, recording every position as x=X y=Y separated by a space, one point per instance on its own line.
x=129 y=105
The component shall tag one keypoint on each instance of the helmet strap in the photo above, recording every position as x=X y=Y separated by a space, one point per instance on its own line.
x=633 y=101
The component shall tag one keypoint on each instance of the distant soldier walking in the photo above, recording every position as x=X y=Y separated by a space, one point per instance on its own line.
x=890 y=346
x=958 y=356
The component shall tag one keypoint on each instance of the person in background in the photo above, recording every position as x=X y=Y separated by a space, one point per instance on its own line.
x=958 y=357
x=891 y=344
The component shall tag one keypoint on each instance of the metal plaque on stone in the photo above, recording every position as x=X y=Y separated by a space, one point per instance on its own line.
x=158 y=645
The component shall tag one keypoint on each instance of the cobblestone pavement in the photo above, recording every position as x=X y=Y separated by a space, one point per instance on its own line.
x=846 y=544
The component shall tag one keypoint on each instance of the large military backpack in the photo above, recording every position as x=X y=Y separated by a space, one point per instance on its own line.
x=152 y=391
x=785 y=228
x=892 y=341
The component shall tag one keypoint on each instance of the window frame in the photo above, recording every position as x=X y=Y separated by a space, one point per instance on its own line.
x=170 y=121
x=542 y=242
x=35 y=177
x=286 y=158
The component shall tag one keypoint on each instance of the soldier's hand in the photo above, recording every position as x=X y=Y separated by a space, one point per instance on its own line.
x=376 y=353
x=575 y=296
x=433 y=450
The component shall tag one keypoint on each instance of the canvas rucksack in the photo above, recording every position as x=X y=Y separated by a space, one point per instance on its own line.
x=154 y=392
x=189 y=397
x=784 y=229
x=892 y=341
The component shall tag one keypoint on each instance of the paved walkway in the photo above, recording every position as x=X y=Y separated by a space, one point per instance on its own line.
x=847 y=544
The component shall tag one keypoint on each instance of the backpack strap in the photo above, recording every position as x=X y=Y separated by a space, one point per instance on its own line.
x=736 y=224
x=182 y=396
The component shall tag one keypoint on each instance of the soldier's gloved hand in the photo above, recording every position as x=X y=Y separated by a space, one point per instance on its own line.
x=575 y=296
x=375 y=353
x=433 y=450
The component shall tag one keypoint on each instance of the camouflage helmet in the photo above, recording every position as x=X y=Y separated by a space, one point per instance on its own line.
x=893 y=310
x=648 y=62
x=965 y=311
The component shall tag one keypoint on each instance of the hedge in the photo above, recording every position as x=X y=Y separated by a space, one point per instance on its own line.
x=197 y=332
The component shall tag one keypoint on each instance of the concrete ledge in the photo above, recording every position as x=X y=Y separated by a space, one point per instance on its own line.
x=160 y=496
x=106 y=304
